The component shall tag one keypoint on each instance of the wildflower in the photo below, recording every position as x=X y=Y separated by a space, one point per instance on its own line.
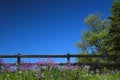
x=113 y=71
x=71 y=67
x=25 y=66
x=85 y=75
x=39 y=63
x=20 y=72
x=6 y=67
x=86 y=67
x=8 y=75
x=51 y=63
x=92 y=72
x=39 y=74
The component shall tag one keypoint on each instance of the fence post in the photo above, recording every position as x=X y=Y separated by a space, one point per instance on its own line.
x=18 y=59
x=68 y=58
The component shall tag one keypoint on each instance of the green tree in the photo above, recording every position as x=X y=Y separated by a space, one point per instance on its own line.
x=94 y=39
x=115 y=29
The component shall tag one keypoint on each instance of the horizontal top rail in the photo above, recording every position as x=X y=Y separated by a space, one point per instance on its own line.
x=94 y=55
x=55 y=56
x=33 y=56
x=8 y=56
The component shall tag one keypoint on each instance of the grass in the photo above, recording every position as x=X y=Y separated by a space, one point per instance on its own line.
x=53 y=72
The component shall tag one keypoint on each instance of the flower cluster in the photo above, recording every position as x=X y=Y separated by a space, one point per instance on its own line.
x=4 y=66
x=25 y=66
x=48 y=63
x=70 y=67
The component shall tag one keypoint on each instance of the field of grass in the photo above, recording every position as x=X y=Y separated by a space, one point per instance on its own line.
x=53 y=72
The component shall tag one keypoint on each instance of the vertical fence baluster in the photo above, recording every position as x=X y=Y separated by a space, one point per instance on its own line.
x=68 y=58
x=18 y=59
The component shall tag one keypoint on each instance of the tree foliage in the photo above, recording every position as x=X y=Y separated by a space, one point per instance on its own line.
x=94 y=39
x=103 y=36
x=115 y=29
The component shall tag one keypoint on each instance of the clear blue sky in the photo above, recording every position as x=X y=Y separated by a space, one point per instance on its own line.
x=45 y=26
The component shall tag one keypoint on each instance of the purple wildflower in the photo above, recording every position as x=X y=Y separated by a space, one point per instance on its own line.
x=71 y=67
x=86 y=67
x=25 y=66
x=6 y=67
x=50 y=63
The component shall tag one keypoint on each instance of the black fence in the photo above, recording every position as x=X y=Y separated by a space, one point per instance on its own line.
x=68 y=56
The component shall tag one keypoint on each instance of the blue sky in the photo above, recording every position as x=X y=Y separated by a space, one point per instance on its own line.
x=45 y=26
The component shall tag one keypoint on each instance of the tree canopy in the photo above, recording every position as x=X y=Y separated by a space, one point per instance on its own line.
x=115 y=27
x=93 y=40
x=102 y=36
x=114 y=32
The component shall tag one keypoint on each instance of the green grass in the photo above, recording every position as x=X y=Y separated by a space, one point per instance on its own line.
x=58 y=74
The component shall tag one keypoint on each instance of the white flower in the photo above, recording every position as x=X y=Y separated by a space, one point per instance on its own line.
x=20 y=72
x=8 y=75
